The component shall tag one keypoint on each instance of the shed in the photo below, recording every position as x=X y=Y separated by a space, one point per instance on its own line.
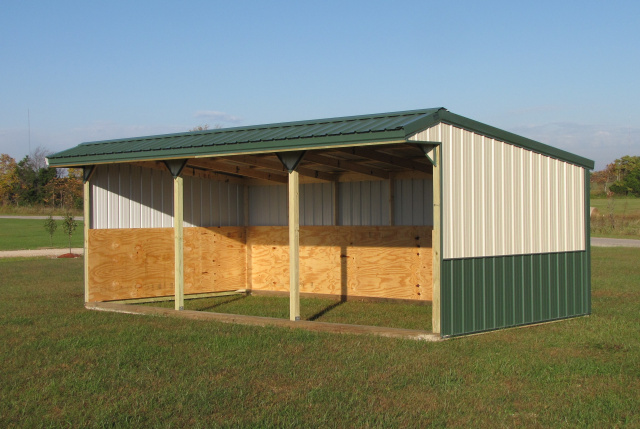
x=426 y=205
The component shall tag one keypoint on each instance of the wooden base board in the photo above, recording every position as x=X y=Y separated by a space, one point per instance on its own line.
x=337 y=328
x=339 y=297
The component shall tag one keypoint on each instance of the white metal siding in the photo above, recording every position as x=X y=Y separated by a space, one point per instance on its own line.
x=268 y=205
x=212 y=203
x=360 y=203
x=500 y=199
x=316 y=204
x=126 y=196
x=413 y=202
x=364 y=203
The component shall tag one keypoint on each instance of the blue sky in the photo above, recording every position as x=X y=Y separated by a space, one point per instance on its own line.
x=562 y=72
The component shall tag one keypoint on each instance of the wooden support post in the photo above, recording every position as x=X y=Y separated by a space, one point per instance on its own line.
x=178 y=217
x=436 y=241
x=294 y=246
x=392 y=202
x=87 y=223
x=335 y=189
x=249 y=262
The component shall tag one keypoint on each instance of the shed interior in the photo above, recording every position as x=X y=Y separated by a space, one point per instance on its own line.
x=366 y=223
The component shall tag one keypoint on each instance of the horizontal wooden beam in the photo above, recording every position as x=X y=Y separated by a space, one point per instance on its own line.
x=277 y=166
x=388 y=159
x=159 y=165
x=346 y=165
x=237 y=170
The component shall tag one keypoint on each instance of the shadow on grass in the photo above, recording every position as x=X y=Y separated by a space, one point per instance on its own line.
x=326 y=310
x=210 y=307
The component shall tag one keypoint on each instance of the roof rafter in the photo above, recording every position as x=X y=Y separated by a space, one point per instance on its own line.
x=386 y=158
x=277 y=166
x=237 y=170
x=346 y=165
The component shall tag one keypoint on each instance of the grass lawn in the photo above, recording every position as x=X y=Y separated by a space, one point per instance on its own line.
x=16 y=234
x=36 y=211
x=625 y=222
x=66 y=366
x=391 y=314
x=628 y=206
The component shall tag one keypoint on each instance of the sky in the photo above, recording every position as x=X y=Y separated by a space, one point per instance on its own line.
x=565 y=73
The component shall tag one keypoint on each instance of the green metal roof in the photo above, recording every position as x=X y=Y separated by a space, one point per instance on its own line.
x=314 y=134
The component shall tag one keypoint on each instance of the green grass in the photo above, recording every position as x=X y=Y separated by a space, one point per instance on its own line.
x=391 y=314
x=626 y=206
x=617 y=218
x=65 y=366
x=36 y=211
x=16 y=234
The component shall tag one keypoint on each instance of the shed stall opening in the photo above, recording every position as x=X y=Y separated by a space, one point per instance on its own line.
x=422 y=205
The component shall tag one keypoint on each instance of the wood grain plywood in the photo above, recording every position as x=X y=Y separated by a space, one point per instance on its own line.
x=374 y=261
x=130 y=263
x=214 y=259
x=138 y=263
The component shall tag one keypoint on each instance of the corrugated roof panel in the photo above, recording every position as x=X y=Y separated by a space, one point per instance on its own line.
x=383 y=127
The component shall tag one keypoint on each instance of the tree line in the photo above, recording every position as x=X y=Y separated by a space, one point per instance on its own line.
x=621 y=177
x=30 y=182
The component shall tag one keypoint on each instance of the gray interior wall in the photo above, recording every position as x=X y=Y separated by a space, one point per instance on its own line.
x=126 y=196
x=413 y=202
x=212 y=203
x=360 y=203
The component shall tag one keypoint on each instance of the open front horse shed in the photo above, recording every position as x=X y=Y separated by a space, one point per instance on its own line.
x=426 y=205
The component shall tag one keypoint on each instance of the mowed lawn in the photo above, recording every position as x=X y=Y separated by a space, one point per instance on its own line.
x=18 y=234
x=63 y=365
x=627 y=206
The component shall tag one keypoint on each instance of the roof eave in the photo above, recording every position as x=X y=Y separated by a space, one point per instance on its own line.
x=506 y=136
x=395 y=136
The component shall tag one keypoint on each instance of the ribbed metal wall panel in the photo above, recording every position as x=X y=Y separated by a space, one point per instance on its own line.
x=364 y=203
x=413 y=202
x=360 y=203
x=212 y=203
x=480 y=294
x=500 y=199
x=126 y=196
x=316 y=204
x=268 y=205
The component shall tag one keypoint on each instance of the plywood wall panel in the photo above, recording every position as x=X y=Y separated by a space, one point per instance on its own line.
x=214 y=259
x=138 y=263
x=372 y=261
x=125 y=264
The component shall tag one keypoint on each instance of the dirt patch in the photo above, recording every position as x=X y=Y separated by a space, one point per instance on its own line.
x=69 y=255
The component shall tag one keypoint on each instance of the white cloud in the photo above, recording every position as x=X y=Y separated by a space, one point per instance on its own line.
x=214 y=115
x=601 y=143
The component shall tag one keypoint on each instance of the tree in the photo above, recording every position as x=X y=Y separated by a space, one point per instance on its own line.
x=50 y=225
x=69 y=225
x=627 y=173
x=8 y=178
x=205 y=127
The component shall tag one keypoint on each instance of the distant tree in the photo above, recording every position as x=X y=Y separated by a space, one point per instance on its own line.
x=205 y=127
x=38 y=158
x=627 y=174
x=69 y=225
x=50 y=225
x=8 y=178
